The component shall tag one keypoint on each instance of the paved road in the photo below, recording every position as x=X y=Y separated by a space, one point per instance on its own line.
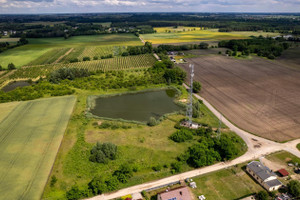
x=257 y=147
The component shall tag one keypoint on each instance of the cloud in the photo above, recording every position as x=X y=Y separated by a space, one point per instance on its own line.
x=40 y=6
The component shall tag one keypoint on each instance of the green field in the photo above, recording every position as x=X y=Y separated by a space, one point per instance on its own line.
x=29 y=140
x=44 y=47
x=188 y=34
x=227 y=184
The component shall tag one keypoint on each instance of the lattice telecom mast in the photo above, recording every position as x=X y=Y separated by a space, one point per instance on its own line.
x=190 y=104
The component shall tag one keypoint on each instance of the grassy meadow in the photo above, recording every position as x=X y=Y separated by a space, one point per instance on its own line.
x=227 y=184
x=30 y=137
x=196 y=34
x=40 y=48
x=142 y=146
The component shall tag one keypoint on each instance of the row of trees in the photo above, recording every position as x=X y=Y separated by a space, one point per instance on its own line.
x=266 y=47
x=6 y=45
x=35 y=91
x=167 y=48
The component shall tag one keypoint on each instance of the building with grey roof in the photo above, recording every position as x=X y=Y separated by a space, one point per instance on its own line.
x=263 y=175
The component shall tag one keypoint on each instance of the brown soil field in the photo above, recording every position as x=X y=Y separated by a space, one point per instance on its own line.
x=291 y=58
x=258 y=95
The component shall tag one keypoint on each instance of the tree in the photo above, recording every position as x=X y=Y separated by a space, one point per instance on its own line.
x=101 y=153
x=11 y=66
x=196 y=86
x=123 y=173
x=97 y=185
x=75 y=193
x=1 y=68
x=203 y=45
x=181 y=135
x=294 y=188
x=262 y=195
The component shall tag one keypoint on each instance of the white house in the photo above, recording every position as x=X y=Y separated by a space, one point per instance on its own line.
x=263 y=175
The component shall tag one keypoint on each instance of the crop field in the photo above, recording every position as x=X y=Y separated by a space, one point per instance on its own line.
x=290 y=58
x=117 y=63
x=38 y=47
x=91 y=51
x=30 y=138
x=192 y=34
x=258 y=95
x=49 y=57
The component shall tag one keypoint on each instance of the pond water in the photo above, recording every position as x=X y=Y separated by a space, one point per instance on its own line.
x=138 y=107
x=15 y=85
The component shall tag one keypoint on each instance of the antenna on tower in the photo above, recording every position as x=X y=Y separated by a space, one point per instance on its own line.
x=190 y=104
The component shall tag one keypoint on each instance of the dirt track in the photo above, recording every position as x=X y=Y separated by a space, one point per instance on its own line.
x=258 y=95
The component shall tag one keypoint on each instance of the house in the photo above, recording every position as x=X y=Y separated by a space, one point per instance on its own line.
x=181 y=193
x=283 y=172
x=263 y=175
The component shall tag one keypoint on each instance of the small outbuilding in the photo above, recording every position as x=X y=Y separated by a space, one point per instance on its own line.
x=283 y=172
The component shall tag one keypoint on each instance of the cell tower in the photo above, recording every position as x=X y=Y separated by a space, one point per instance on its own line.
x=189 y=111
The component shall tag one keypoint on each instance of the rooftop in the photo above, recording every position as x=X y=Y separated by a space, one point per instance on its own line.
x=181 y=193
x=283 y=172
x=260 y=170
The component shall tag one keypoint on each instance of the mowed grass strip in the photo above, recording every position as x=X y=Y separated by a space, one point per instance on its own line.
x=30 y=137
x=231 y=183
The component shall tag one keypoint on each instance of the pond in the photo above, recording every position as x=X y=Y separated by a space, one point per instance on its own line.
x=138 y=106
x=14 y=85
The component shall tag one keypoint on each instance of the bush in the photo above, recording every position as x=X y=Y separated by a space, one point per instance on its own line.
x=1 y=68
x=181 y=135
x=294 y=188
x=101 y=153
x=175 y=167
x=196 y=86
x=86 y=58
x=203 y=45
x=95 y=58
x=157 y=168
x=75 y=193
x=262 y=195
x=53 y=181
x=124 y=173
x=74 y=60
x=11 y=66
x=67 y=73
x=152 y=121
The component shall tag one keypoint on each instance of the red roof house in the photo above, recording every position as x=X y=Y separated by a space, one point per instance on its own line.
x=181 y=193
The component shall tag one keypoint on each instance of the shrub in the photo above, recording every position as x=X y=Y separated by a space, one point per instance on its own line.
x=175 y=167
x=95 y=57
x=53 y=181
x=196 y=86
x=11 y=66
x=157 y=168
x=86 y=58
x=294 y=188
x=123 y=173
x=1 y=68
x=74 y=60
x=262 y=195
x=203 y=45
x=152 y=121
x=101 y=153
x=75 y=193
x=181 y=135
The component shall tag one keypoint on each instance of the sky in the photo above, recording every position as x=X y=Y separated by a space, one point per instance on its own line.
x=86 y=6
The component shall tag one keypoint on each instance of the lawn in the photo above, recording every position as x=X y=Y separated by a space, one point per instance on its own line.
x=141 y=146
x=30 y=138
x=193 y=34
x=39 y=47
x=231 y=183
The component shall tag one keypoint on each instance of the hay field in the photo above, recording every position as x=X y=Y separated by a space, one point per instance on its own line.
x=44 y=47
x=194 y=34
x=29 y=140
x=258 y=95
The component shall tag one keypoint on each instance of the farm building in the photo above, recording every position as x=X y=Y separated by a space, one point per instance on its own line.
x=181 y=193
x=263 y=175
x=283 y=172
